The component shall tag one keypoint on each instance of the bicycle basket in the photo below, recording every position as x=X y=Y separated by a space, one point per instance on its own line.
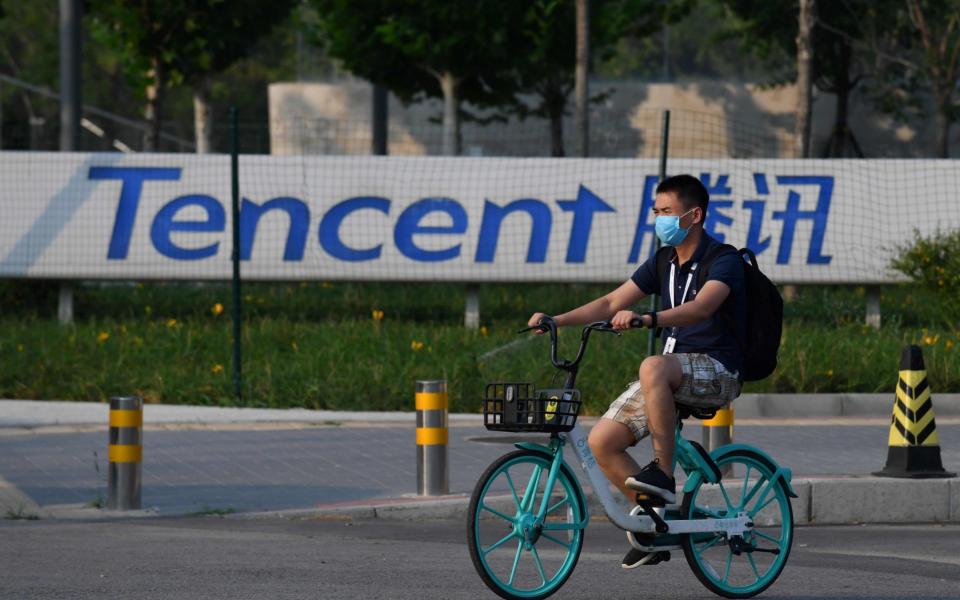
x=520 y=407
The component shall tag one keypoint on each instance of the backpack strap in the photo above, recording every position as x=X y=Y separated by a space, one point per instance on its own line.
x=713 y=254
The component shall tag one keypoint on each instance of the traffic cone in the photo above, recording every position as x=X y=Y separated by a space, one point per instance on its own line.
x=914 y=450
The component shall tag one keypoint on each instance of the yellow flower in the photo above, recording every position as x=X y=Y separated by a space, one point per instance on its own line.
x=217 y=368
x=295 y=347
x=217 y=309
x=103 y=336
x=949 y=344
x=137 y=341
x=171 y=323
x=325 y=285
x=829 y=372
x=377 y=315
x=415 y=345
x=484 y=330
x=930 y=340
x=19 y=347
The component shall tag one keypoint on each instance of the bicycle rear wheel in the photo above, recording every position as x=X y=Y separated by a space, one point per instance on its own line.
x=741 y=567
x=515 y=558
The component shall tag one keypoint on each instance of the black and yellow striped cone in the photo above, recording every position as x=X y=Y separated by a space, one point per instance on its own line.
x=914 y=450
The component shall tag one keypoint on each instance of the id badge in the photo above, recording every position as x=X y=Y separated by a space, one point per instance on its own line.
x=668 y=346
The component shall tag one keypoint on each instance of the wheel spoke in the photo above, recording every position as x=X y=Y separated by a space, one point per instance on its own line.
x=558 y=504
x=767 y=537
x=753 y=490
x=710 y=544
x=763 y=506
x=753 y=564
x=497 y=512
x=726 y=573
x=505 y=539
x=536 y=558
x=513 y=490
x=555 y=540
x=726 y=498
x=516 y=561
x=531 y=494
x=743 y=490
x=708 y=511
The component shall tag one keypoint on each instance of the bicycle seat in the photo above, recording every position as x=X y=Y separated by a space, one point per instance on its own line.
x=697 y=412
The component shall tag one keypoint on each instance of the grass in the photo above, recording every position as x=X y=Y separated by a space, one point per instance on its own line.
x=20 y=515
x=207 y=511
x=322 y=345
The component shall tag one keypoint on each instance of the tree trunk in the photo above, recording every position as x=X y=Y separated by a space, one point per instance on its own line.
x=804 y=78
x=152 y=111
x=582 y=84
x=943 y=126
x=451 y=115
x=203 y=116
x=556 y=110
x=840 y=135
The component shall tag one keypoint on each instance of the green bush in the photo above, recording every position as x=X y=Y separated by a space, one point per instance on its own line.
x=934 y=263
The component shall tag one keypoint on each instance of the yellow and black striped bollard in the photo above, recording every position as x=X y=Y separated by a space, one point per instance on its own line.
x=126 y=452
x=432 y=436
x=718 y=431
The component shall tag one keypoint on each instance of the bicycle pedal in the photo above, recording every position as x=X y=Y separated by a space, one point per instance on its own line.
x=655 y=558
x=644 y=499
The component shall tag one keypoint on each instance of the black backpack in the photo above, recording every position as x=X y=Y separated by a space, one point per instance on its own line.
x=764 y=309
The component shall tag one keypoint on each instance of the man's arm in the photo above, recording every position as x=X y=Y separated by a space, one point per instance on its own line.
x=702 y=307
x=601 y=309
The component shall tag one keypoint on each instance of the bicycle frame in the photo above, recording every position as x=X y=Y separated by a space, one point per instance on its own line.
x=686 y=456
x=696 y=467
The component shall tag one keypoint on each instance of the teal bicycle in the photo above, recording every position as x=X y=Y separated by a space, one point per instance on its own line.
x=528 y=513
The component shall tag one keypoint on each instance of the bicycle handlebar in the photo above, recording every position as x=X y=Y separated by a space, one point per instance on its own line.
x=548 y=325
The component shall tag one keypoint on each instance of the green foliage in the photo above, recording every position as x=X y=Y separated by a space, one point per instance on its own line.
x=408 y=45
x=326 y=346
x=934 y=262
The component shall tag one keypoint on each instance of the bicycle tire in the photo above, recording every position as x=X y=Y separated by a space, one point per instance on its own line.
x=696 y=546
x=479 y=527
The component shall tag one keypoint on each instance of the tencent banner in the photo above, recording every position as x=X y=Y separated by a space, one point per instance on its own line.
x=113 y=216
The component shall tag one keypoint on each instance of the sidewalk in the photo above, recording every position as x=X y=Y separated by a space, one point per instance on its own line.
x=258 y=461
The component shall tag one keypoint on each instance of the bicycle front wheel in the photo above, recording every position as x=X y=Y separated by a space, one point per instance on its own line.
x=743 y=566
x=514 y=556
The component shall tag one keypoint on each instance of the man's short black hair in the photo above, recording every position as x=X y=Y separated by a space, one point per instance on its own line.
x=689 y=190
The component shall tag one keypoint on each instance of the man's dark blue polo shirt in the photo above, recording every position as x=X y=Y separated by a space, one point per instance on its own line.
x=715 y=335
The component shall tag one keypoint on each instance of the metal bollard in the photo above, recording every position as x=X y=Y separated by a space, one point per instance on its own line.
x=126 y=452
x=432 y=436
x=717 y=432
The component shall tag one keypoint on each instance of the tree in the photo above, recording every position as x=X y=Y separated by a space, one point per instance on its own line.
x=838 y=60
x=458 y=50
x=545 y=67
x=164 y=43
x=920 y=52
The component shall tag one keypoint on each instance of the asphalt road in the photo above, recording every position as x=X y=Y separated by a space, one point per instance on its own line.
x=232 y=558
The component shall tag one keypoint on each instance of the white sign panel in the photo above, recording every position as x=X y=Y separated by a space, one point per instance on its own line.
x=114 y=216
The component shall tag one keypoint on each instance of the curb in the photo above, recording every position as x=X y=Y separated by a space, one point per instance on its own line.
x=821 y=501
x=28 y=414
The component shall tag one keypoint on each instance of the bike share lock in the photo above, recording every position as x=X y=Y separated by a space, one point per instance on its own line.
x=432 y=435
x=125 y=453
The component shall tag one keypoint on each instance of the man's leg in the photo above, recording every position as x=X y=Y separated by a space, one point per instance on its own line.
x=660 y=376
x=609 y=441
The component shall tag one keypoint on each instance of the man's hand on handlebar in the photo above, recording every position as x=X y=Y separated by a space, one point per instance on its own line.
x=535 y=321
x=627 y=319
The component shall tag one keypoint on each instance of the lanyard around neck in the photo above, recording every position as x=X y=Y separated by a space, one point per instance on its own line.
x=673 y=284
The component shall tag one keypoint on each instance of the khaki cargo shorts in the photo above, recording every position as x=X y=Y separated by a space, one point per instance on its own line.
x=705 y=383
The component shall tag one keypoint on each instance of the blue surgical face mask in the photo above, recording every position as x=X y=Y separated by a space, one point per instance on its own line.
x=668 y=229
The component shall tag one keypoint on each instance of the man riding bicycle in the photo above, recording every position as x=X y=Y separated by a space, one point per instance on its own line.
x=701 y=361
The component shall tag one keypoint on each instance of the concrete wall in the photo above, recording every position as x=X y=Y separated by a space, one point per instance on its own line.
x=709 y=119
